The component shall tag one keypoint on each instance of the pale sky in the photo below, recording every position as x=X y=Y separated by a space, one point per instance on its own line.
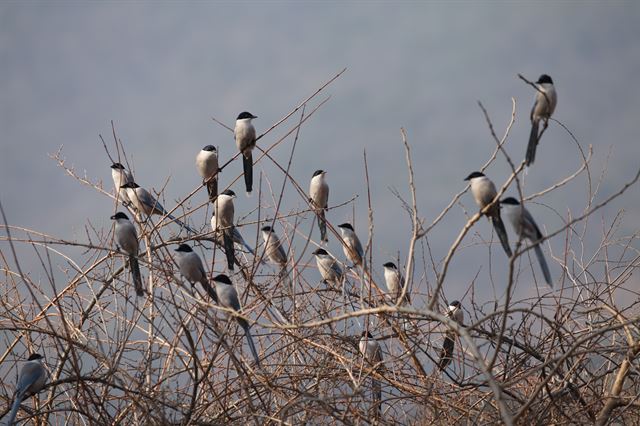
x=161 y=71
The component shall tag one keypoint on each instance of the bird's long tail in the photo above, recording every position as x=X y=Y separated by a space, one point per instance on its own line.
x=322 y=224
x=446 y=354
x=377 y=397
x=238 y=239
x=247 y=164
x=135 y=272
x=252 y=347
x=543 y=264
x=533 y=143
x=14 y=410
x=346 y=295
x=209 y=289
x=227 y=239
x=212 y=188
x=284 y=277
x=502 y=233
x=181 y=223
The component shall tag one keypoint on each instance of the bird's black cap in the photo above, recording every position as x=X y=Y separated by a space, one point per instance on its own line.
x=222 y=278
x=184 y=248
x=367 y=334
x=209 y=148
x=390 y=265
x=455 y=304
x=119 y=215
x=117 y=166
x=132 y=185
x=245 y=114
x=510 y=200
x=346 y=225
x=318 y=172
x=34 y=356
x=320 y=251
x=544 y=78
x=474 y=175
x=229 y=192
x=267 y=228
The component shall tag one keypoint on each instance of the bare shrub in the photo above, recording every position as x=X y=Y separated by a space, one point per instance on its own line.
x=562 y=356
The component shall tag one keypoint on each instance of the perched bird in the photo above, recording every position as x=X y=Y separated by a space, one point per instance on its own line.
x=526 y=227
x=121 y=176
x=372 y=353
x=394 y=281
x=228 y=298
x=192 y=269
x=224 y=212
x=351 y=245
x=237 y=236
x=207 y=165
x=245 y=135
x=274 y=251
x=329 y=268
x=31 y=380
x=319 y=197
x=127 y=239
x=484 y=192
x=454 y=311
x=543 y=107
x=145 y=203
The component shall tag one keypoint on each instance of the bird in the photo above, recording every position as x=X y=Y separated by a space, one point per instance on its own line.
x=121 y=176
x=145 y=203
x=351 y=245
x=224 y=212
x=394 y=281
x=319 y=198
x=526 y=227
x=127 y=239
x=192 y=269
x=372 y=353
x=31 y=380
x=329 y=268
x=207 y=165
x=484 y=192
x=228 y=298
x=543 y=108
x=245 y=136
x=274 y=251
x=454 y=311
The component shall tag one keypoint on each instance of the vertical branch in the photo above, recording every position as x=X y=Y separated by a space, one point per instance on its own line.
x=368 y=248
x=416 y=223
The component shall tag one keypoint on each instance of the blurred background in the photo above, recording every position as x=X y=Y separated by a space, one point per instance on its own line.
x=160 y=71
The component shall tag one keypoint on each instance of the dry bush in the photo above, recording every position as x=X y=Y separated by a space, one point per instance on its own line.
x=173 y=357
